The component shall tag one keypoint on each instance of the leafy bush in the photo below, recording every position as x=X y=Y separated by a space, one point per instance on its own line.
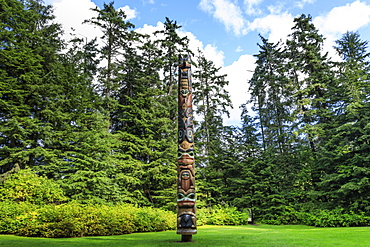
x=282 y=216
x=335 y=218
x=153 y=219
x=75 y=220
x=221 y=215
x=26 y=186
x=321 y=218
x=14 y=215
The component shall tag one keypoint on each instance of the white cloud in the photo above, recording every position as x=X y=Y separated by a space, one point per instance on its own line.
x=339 y=20
x=211 y=52
x=130 y=13
x=227 y=13
x=345 y=18
x=149 y=29
x=278 y=26
x=302 y=3
x=239 y=49
x=238 y=74
x=276 y=9
x=50 y=2
x=250 y=7
x=80 y=11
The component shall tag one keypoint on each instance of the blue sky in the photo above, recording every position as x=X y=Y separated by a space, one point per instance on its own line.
x=227 y=30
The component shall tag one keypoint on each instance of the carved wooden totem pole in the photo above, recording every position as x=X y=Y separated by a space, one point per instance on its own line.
x=186 y=215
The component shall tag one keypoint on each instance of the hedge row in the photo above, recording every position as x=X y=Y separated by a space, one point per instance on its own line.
x=321 y=218
x=77 y=220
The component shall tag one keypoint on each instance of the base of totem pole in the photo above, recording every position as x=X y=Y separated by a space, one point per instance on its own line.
x=186 y=238
x=187 y=234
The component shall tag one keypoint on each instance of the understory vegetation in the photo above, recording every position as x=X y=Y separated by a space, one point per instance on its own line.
x=88 y=129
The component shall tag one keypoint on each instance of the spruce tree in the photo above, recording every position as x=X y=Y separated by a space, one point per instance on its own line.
x=28 y=56
x=346 y=150
x=211 y=101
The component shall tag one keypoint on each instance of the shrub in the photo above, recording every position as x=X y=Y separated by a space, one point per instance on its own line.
x=221 y=215
x=321 y=218
x=75 y=220
x=335 y=218
x=14 y=215
x=153 y=220
x=26 y=186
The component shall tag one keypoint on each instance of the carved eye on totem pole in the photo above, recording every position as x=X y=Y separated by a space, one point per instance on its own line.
x=190 y=135
x=184 y=92
x=181 y=135
x=185 y=154
x=186 y=200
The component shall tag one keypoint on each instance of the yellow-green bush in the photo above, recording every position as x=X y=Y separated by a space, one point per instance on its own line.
x=26 y=186
x=14 y=215
x=221 y=215
x=75 y=220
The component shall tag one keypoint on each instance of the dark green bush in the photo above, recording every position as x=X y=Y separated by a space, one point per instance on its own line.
x=321 y=218
x=335 y=218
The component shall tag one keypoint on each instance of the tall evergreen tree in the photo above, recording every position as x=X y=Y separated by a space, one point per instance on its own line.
x=140 y=119
x=117 y=38
x=28 y=54
x=212 y=101
x=346 y=150
x=311 y=76
x=171 y=46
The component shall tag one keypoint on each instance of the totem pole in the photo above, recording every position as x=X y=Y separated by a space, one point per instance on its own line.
x=186 y=217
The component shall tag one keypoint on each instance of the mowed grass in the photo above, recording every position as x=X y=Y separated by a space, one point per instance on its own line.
x=260 y=235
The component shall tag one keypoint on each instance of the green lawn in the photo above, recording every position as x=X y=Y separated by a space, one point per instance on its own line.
x=261 y=235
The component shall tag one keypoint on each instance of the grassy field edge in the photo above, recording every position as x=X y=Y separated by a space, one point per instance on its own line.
x=260 y=235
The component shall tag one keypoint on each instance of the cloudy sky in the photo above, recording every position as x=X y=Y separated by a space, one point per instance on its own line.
x=227 y=30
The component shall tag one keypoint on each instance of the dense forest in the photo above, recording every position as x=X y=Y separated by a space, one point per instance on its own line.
x=100 y=121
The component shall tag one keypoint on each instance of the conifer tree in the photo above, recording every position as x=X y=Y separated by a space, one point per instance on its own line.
x=345 y=152
x=311 y=79
x=28 y=55
x=212 y=101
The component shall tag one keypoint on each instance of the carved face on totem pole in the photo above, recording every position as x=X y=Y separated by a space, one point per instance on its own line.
x=186 y=180
x=186 y=199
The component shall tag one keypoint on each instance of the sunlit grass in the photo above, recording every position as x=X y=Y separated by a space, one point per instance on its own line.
x=261 y=235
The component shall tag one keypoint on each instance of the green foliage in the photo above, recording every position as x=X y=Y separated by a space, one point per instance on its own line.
x=14 y=215
x=108 y=134
x=337 y=217
x=76 y=220
x=312 y=117
x=26 y=186
x=221 y=215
